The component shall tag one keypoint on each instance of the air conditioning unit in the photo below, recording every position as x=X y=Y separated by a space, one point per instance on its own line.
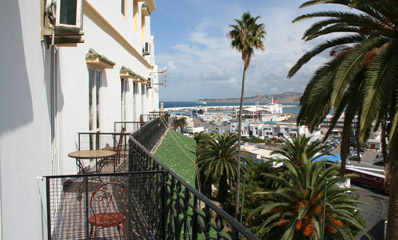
x=149 y=85
x=69 y=15
x=147 y=49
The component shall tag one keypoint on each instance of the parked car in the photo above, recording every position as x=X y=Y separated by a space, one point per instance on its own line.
x=347 y=163
x=379 y=163
x=354 y=158
x=355 y=154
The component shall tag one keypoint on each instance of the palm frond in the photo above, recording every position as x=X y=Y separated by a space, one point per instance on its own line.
x=315 y=103
x=380 y=78
x=314 y=2
x=353 y=63
x=322 y=47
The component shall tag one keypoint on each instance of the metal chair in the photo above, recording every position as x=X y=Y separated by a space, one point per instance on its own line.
x=117 y=148
x=108 y=207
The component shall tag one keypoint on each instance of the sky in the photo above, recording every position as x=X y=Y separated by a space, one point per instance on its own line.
x=191 y=44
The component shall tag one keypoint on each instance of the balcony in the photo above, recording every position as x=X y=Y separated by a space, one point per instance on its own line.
x=160 y=204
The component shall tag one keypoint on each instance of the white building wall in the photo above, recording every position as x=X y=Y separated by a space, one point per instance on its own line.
x=25 y=102
x=24 y=123
x=74 y=82
x=111 y=11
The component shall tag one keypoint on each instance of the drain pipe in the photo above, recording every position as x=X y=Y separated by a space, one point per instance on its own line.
x=54 y=102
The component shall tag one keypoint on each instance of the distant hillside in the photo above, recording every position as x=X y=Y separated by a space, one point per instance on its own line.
x=287 y=97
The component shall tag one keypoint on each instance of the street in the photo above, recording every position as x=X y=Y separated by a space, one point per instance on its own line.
x=375 y=209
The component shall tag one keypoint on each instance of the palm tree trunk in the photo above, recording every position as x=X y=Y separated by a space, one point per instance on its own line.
x=239 y=142
x=383 y=140
x=392 y=230
x=344 y=149
x=222 y=188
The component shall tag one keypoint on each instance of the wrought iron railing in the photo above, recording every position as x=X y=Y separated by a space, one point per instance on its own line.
x=132 y=126
x=129 y=127
x=189 y=214
x=161 y=205
x=116 y=141
x=74 y=201
x=152 y=116
x=101 y=140
x=151 y=133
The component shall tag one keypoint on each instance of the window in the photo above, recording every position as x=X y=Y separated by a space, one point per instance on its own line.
x=142 y=98
x=135 y=14
x=123 y=7
x=136 y=92
x=123 y=94
x=94 y=98
x=142 y=28
x=94 y=105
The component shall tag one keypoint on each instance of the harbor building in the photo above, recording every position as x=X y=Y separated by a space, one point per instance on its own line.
x=269 y=130
x=269 y=112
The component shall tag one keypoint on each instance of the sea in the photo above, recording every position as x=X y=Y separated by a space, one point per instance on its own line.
x=293 y=107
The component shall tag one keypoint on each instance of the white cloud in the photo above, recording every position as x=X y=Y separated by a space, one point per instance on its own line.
x=204 y=65
x=171 y=65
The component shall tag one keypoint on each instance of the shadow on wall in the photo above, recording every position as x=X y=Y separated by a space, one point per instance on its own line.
x=15 y=95
x=47 y=79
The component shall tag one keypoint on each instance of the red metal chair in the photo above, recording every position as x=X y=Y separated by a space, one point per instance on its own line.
x=108 y=206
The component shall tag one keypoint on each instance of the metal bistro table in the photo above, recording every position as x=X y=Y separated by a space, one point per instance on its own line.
x=90 y=154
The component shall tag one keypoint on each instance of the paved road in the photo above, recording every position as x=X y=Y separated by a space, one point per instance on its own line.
x=374 y=211
x=376 y=208
x=369 y=157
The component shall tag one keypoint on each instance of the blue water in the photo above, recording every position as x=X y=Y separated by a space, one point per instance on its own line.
x=293 y=110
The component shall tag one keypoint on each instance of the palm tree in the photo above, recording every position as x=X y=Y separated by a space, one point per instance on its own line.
x=295 y=148
x=295 y=209
x=219 y=161
x=201 y=184
x=360 y=80
x=183 y=124
x=246 y=36
x=180 y=123
x=175 y=123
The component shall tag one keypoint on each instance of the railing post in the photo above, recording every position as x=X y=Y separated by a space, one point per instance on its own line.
x=164 y=211
x=97 y=142
x=86 y=206
x=195 y=219
x=130 y=206
x=48 y=208
x=78 y=147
